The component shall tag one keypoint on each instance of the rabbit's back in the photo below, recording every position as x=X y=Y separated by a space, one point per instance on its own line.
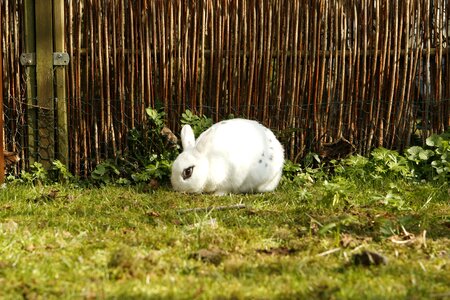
x=244 y=156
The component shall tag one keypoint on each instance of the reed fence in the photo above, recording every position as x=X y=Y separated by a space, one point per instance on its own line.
x=375 y=72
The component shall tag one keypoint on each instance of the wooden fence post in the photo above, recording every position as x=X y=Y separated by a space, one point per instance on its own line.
x=46 y=85
x=44 y=75
x=60 y=76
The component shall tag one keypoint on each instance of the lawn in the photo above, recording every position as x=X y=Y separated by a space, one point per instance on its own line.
x=339 y=238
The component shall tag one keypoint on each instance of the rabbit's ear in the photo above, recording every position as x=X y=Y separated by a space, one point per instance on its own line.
x=203 y=141
x=187 y=137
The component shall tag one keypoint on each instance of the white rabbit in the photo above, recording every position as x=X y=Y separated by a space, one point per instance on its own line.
x=233 y=156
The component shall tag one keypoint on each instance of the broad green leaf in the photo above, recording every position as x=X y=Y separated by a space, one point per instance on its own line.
x=414 y=150
x=434 y=141
x=425 y=154
x=100 y=170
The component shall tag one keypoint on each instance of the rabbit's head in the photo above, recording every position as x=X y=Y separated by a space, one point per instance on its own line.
x=190 y=169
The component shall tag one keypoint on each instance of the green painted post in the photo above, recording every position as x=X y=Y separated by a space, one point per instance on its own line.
x=44 y=76
x=60 y=80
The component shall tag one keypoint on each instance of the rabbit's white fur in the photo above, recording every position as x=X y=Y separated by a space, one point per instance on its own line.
x=233 y=156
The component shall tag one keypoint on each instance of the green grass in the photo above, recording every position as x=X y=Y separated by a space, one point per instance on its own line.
x=120 y=242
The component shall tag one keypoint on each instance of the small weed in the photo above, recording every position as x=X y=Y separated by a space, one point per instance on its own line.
x=61 y=173
x=37 y=175
x=198 y=123
x=152 y=148
x=433 y=161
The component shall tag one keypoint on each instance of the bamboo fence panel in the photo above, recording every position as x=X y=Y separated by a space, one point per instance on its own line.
x=14 y=99
x=375 y=72
x=2 y=155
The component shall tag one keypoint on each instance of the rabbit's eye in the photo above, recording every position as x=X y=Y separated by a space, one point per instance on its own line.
x=187 y=173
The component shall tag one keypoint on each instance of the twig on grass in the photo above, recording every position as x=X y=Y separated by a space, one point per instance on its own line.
x=314 y=220
x=328 y=252
x=424 y=239
x=357 y=248
x=211 y=208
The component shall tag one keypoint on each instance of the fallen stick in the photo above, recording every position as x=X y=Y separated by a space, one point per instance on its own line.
x=331 y=251
x=211 y=208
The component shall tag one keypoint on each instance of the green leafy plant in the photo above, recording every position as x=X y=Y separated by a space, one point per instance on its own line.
x=291 y=170
x=433 y=161
x=338 y=190
x=37 y=174
x=105 y=172
x=198 y=123
x=389 y=163
x=158 y=168
x=155 y=117
x=392 y=200
x=382 y=164
x=315 y=169
x=354 y=166
x=60 y=173
x=310 y=170
x=149 y=154
x=148 y=139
